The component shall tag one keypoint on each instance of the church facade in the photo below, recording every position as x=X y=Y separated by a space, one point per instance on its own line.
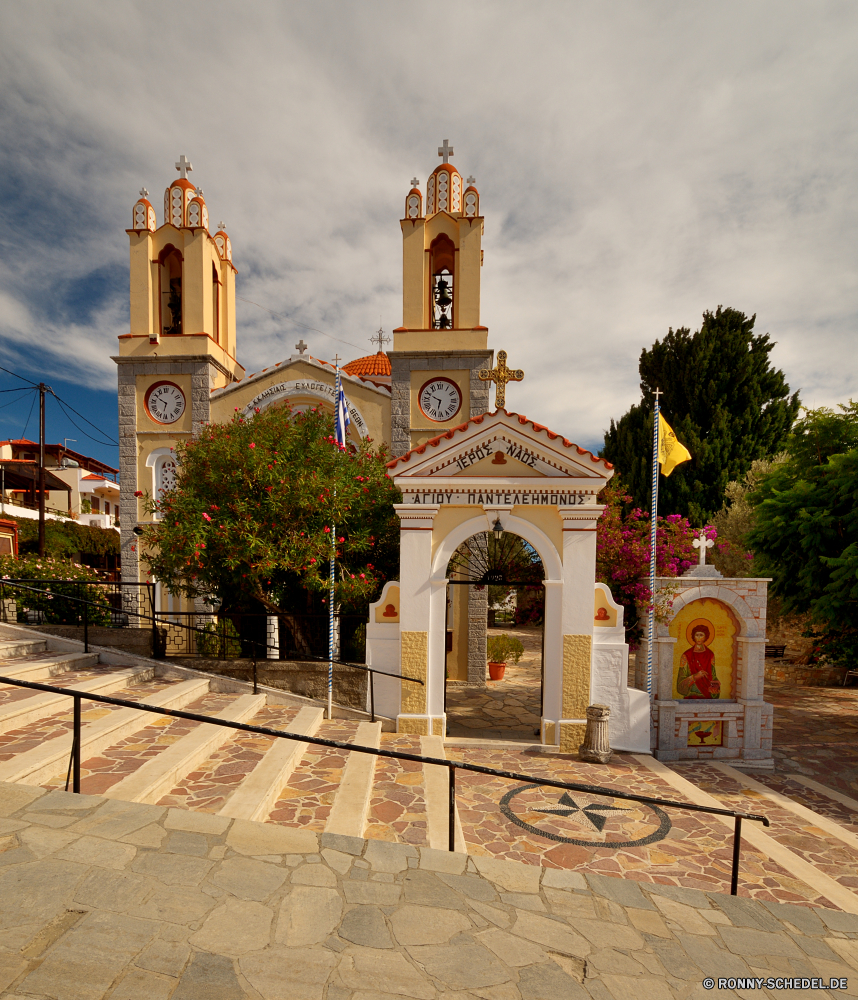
x=178 y=367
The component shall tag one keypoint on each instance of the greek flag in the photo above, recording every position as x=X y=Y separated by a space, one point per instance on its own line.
x=342 y=414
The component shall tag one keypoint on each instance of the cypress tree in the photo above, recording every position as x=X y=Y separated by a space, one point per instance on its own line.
x=726 y=402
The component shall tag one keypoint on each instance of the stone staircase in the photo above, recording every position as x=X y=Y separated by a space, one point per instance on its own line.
x=809 y=854
x=140 y=757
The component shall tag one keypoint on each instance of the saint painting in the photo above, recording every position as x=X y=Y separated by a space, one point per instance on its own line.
x=697 y=677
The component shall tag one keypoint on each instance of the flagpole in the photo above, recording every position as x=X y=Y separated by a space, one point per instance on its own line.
x=653 y=532
x=332 y=567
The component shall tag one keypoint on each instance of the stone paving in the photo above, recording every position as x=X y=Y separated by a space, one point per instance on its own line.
x=107 y=899
x=503 y=710
x=612 y=837
x=397 y=809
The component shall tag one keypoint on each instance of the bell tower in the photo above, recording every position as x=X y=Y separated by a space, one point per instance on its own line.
x=179 y=347
x=441 y=345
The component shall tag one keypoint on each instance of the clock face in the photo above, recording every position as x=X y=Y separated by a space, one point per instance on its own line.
x=165 y=402
x=440 y=399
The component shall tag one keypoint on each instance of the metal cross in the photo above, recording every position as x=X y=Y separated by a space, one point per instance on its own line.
x=144 y=193
x=415 y=182
x=702 y=543
x=471 y=180
x=500 y=375
x=446 y=151
x=198 y=192
x=380 y=339
x=300 y=347
x=221 y=226
x=184 y=166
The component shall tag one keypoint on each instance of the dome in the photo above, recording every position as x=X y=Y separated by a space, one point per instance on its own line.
x=373 y=366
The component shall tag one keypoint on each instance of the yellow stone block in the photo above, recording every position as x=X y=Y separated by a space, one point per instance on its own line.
x=415 y=659
x=576 y=675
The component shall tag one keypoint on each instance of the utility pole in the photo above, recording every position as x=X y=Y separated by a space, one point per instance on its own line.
x=42 y=390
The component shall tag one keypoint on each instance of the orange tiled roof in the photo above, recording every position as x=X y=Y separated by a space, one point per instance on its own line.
x=372 y=364
x=432 y=442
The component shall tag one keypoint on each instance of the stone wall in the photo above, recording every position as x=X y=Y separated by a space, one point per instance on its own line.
x=791 y=673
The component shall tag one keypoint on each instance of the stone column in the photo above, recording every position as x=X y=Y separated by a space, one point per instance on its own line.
x=596 y=748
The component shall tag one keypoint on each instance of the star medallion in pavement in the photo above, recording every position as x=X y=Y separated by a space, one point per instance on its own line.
x=592 y=811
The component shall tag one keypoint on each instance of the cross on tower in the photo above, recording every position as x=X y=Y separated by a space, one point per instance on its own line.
x=221 y=226
x=183 y=165
x=144 y=193
x=446 y=150
x=415 y=182
x=471 y=180
x=300 y=347
x=702 y=543
x=198 y=192
x=380 y=339
x=500 y=375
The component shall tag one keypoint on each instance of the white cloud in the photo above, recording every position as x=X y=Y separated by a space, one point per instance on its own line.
x=638 y=163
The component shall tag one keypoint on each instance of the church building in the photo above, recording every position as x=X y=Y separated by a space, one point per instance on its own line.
x=178 y=367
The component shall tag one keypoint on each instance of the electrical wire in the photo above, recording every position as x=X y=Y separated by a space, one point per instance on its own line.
x=27 y=424
x=18 y=400
x=66 y=406
x=16 y=375
x=295 y=322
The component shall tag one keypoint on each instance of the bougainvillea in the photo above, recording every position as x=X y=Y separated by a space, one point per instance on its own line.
x=623 y=553
x=250 y=517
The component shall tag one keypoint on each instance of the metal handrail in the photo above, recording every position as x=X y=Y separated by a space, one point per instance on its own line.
x=195 y=628
x=451 y=765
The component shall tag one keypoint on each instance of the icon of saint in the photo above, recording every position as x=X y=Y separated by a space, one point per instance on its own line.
x=601 y=615
x=697 y=677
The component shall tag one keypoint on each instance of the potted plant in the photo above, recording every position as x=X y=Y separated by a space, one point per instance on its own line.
x=502 y=649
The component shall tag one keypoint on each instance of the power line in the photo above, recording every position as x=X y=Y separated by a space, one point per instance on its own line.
x=27 y=424
x=13 y=401
x=67 y=406
x=16 y=375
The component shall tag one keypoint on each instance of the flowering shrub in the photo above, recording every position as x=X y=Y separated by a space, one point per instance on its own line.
x=63 y=578
x=623 y=553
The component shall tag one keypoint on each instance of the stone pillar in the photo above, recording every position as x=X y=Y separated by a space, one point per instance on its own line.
x=478 y=605
x=596 y=748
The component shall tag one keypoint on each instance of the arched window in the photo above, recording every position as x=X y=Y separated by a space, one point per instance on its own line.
x=215 y=305
x=443 y=263
x=163 y=464
x=170 y=273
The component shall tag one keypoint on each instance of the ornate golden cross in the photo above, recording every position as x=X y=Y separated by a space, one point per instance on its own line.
x=500 y=376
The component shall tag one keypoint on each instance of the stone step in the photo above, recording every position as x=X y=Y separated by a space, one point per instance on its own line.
x=260 y=789
x=351 y=805
x=10 y=648
x=160 y=774
x=42 y=704
x=436 y=781
x=49 y=665
x=49 y=758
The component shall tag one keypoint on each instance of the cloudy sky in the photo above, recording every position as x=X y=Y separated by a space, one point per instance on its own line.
x=638 y=162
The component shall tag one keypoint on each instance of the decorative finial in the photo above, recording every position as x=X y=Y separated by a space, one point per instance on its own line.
x=221 y=226
x=144 y=193
x=183 y=165
x=380 y=339
x=500 y=375
x=445 y=150
x=300 y=347
x=415 y=182
x=198 y=192
x=471 y=180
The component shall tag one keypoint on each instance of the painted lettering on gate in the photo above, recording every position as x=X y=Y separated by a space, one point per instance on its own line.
x=493 y=498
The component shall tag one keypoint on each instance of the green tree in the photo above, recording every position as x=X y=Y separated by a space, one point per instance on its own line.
x=724 y=400
x=250 y=517
x=806 y=527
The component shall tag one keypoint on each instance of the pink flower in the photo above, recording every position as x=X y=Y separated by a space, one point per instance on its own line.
x=138 y=493
x=206 y=516
x=252 y=445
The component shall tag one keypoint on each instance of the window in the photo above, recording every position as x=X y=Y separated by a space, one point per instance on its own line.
x=170 y=275
x=215 y=305
x=96 y=507
x=443 y=262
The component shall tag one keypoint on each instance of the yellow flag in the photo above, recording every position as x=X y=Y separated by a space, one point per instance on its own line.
x=670 y=452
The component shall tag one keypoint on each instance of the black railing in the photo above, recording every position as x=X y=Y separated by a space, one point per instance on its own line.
x=105 y=613
x=451 y=765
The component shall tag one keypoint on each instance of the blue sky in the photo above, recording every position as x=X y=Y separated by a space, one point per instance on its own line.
x=637 y=164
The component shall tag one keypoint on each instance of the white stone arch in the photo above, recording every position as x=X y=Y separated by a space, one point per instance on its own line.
x=515 y=526
x=749 y=627
x=315 y=389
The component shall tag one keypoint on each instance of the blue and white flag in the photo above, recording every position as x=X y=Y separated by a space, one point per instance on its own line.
x=343 y=420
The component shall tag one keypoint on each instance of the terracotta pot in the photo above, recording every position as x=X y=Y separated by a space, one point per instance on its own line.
x=496 y=671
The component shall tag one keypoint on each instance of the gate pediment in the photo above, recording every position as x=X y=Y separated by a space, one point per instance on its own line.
x=504 y=455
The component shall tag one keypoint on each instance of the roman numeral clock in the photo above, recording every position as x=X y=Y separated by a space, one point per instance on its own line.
x=440 y=399
x=165 y=402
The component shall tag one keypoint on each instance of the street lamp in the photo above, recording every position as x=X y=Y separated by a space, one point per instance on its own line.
x=497 y=528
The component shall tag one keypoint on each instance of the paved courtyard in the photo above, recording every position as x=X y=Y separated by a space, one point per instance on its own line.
x=109 y=899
